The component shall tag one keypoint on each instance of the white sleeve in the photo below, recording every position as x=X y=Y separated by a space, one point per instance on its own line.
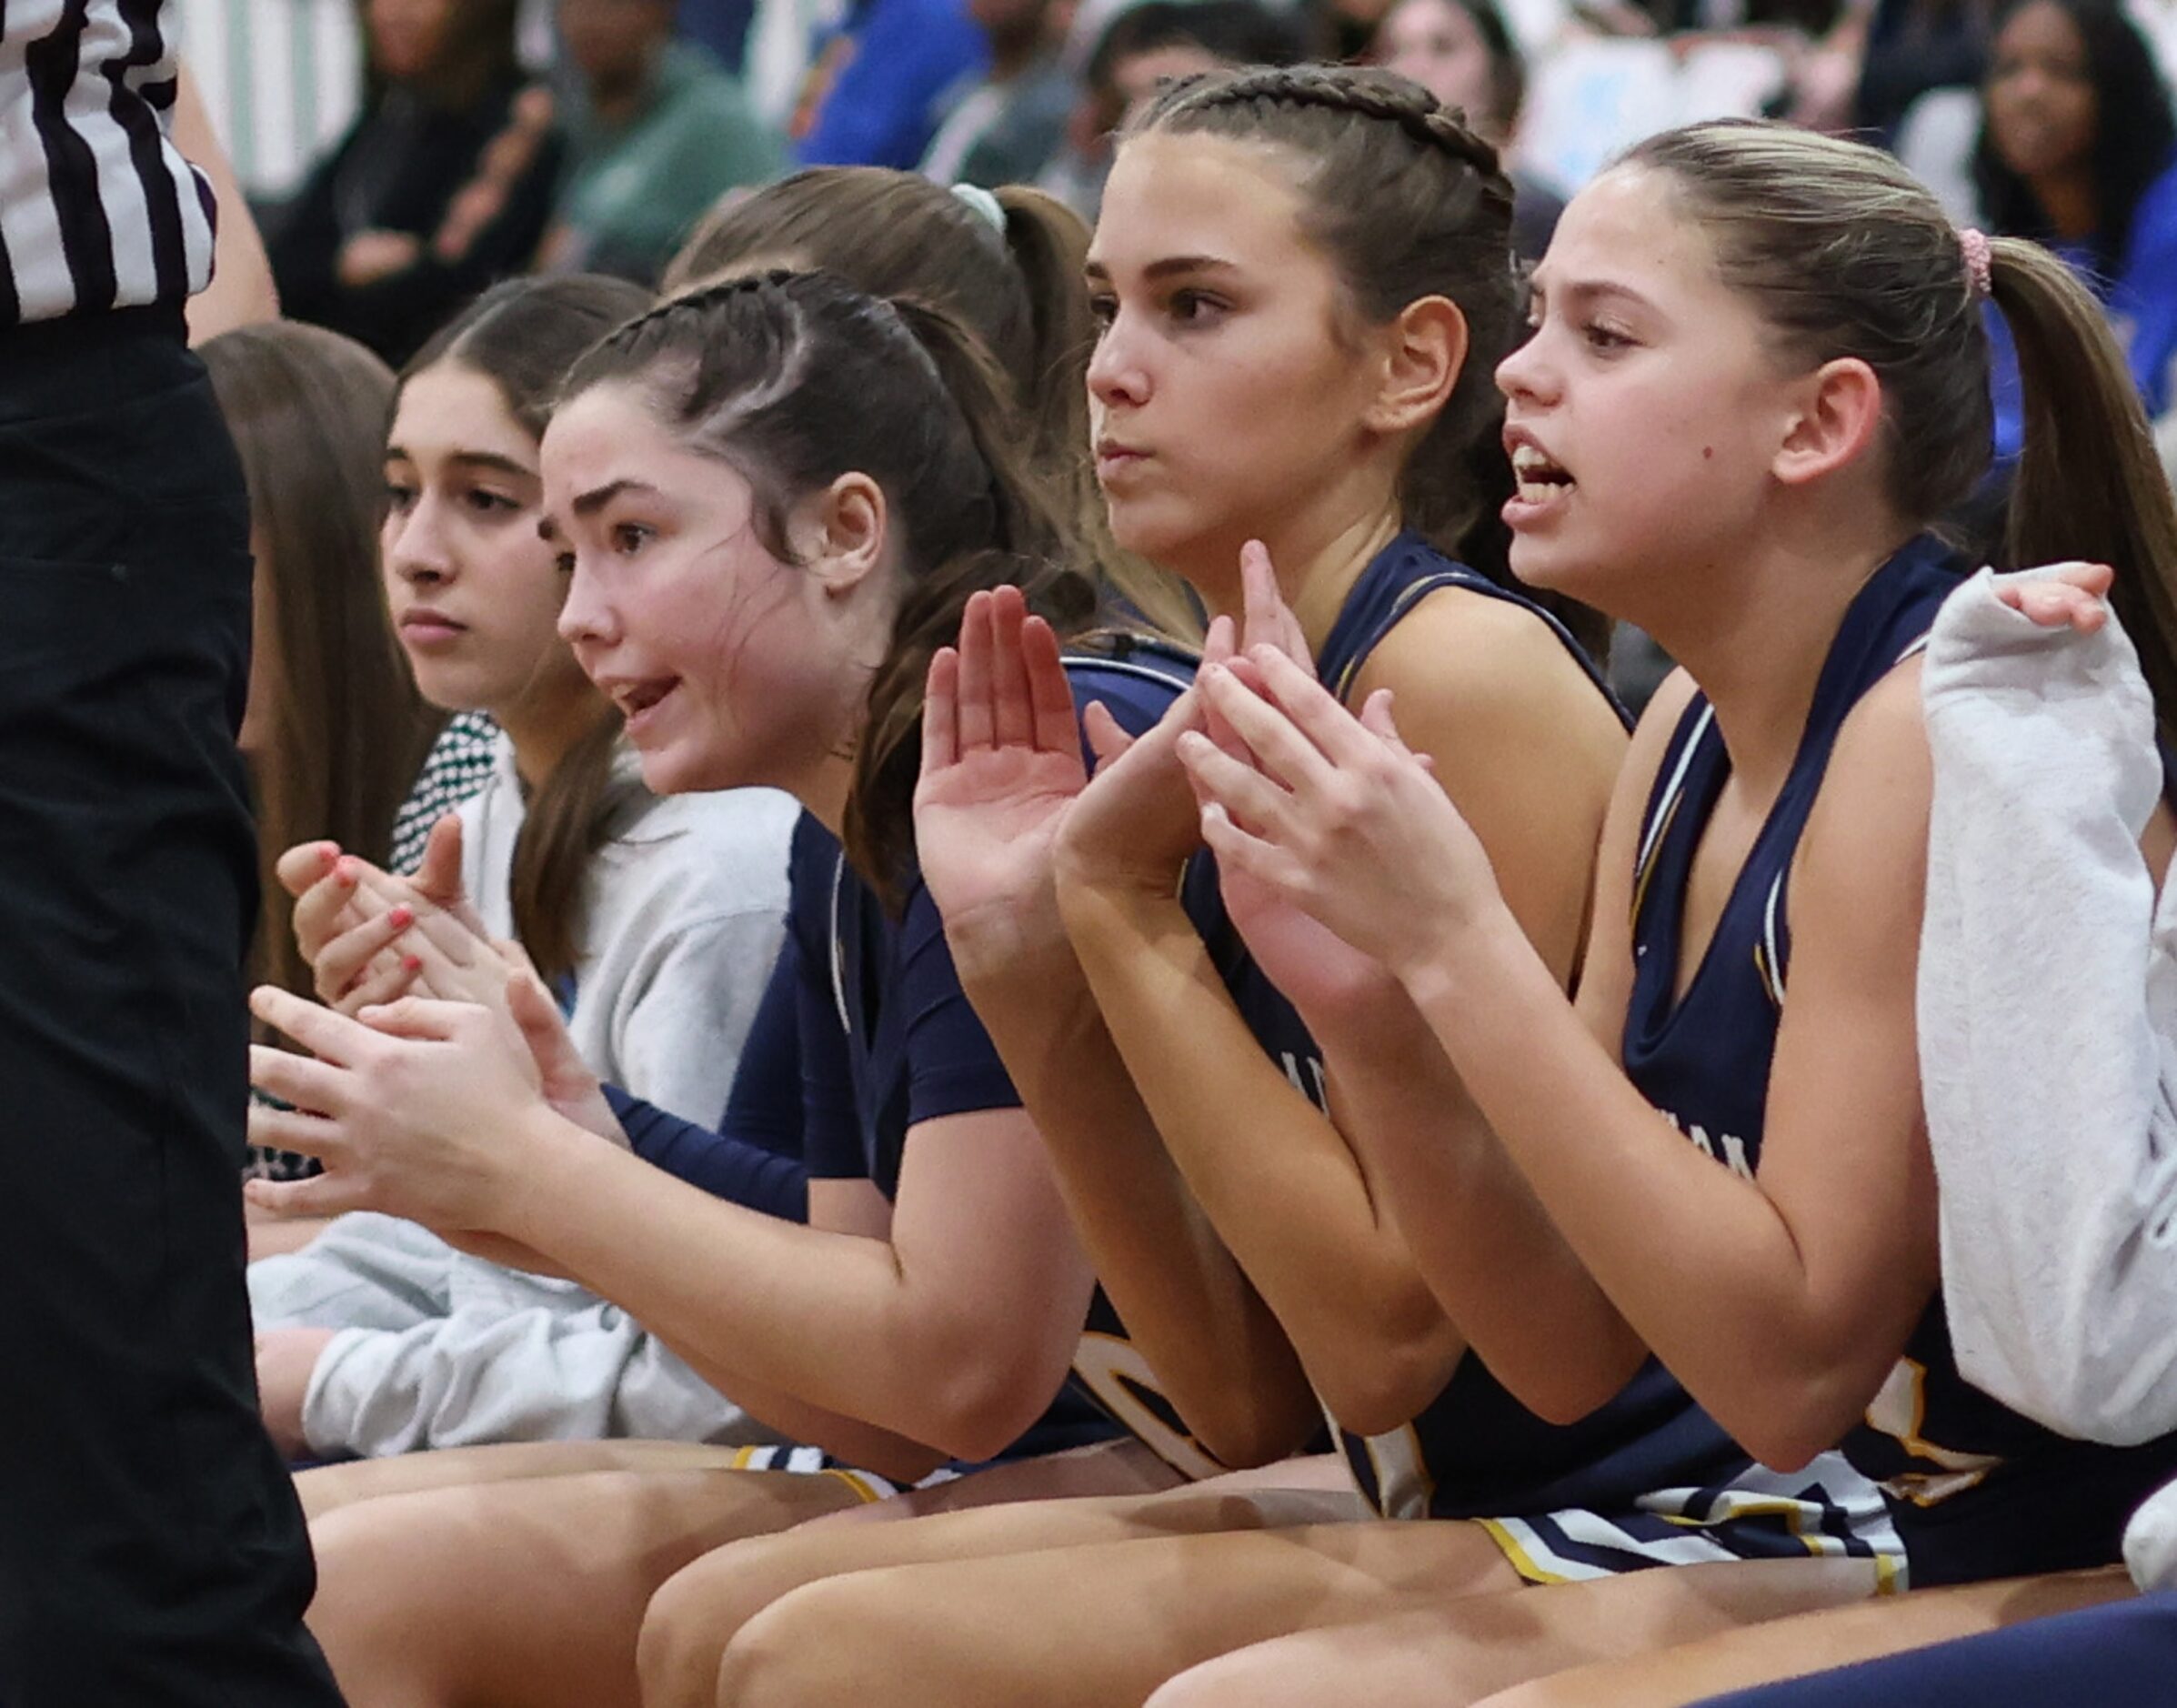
x=2048 y=1022
x=577 y=1370
x=681 y=1018
x=688 y=922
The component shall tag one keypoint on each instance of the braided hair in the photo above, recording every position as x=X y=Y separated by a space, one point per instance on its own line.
x=794 y=379
x=1406 y=202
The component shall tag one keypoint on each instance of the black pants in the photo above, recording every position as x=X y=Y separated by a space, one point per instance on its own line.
x=152 y=1552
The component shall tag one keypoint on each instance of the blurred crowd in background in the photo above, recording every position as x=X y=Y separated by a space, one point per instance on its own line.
x=401 y=154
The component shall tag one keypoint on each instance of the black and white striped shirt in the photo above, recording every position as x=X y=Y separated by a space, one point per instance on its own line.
x=97 y=210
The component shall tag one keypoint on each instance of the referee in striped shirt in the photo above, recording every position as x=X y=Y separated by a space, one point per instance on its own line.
x=152 y=1552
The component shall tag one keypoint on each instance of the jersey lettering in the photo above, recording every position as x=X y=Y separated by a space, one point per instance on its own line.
x=1727 y=1148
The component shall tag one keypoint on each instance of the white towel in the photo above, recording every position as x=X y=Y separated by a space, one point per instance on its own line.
x=2048 y=1033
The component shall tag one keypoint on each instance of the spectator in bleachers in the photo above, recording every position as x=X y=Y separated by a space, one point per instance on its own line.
x=1463 y=54
x=443 y=184
x=878 y=85
x=1913 y=46
x=1139 y=47
x=1346 y=29
x=2076 y=152
x=1004 y=128
x=721 y=27
x=657 y=131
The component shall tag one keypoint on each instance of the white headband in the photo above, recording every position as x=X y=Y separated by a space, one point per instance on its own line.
x=983 y=202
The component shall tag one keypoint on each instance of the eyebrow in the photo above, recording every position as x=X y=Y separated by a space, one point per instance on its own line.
x=1170 y=267
x=590 y=503
x=488 y=460
x=1588 y=290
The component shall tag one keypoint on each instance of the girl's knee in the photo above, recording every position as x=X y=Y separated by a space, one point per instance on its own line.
x=382 y=1630
x=1243 y=1678
x=818 y=1644
x=693 y=1615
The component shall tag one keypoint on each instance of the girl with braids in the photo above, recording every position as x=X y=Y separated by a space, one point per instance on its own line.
x=655 y=921
x=1737 y=448
x=1331 y=237
x=777 y=496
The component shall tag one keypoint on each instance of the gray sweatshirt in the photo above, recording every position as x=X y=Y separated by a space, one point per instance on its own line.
x=683 y=914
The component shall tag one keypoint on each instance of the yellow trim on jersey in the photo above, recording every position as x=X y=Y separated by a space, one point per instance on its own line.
x=870 y=1494
x=1954 y=1471
x=1768 y=978
x=1520 y=1561
x=1821 y=1544
x=1647 y=871
x=1793 y=1513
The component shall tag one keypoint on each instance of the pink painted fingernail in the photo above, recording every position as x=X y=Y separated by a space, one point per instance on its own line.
x=401 y=917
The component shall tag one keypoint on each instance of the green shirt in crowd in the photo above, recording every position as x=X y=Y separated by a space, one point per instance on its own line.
x=633 y=190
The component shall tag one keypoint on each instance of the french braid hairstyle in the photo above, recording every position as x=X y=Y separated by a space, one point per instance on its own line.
x=793 y=380
x=1406 y=202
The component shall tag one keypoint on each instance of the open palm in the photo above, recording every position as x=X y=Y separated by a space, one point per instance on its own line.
x=1001 y=765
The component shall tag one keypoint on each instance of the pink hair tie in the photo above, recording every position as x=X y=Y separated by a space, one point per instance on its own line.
x=1974 y=243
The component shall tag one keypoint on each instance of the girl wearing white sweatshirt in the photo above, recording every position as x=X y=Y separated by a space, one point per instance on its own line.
x=654 y=922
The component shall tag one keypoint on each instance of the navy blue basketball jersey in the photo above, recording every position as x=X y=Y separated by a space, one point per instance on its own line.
x=889 y=1041
x=1474 y=1451
x=1976 y=1490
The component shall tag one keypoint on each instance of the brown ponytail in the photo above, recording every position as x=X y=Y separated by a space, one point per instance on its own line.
x=796 y=378
x=2087 y=482
x=570 y=818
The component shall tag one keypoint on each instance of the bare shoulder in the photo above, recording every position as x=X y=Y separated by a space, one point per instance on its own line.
x=1863 y=859
x=1459 y=646
x=1881 y=757
x=1466 y=663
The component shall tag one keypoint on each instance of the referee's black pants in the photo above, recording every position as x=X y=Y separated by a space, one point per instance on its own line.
x=152 y=1552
